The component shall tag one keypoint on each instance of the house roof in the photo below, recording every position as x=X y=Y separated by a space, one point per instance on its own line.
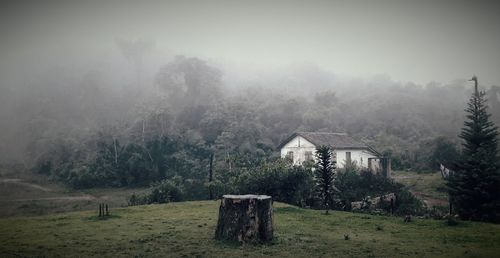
x=335 y=140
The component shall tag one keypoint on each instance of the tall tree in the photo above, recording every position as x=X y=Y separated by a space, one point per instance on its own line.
x=475 y=186
x=324 y=175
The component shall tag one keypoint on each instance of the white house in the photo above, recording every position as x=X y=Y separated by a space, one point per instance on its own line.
x=301 y=146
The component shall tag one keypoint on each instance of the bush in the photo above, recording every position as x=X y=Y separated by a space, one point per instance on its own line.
x=166 y=191
x=162 y=192
x=279 y=179
x=44 y=167
x=354 y=186
x=407 y=203
x=81 y=177
x=135 y=199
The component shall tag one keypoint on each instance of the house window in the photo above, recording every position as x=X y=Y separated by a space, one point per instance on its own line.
x=289 y=156
x=348 y=157
x=309 y=155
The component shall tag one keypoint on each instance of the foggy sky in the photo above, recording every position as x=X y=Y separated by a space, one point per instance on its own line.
x=419 y=41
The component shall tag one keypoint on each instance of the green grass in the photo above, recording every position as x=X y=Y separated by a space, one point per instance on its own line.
x=426 y=186
x=186 y=230
x=34 y=194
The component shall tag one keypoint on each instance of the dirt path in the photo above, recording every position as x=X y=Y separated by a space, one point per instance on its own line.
x=27 y=194
x=429 y=201
x=18 y=181
x=424 y=186
x=61 y=198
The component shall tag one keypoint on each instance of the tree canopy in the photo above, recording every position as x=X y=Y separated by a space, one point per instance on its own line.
x=475 y=185
x=324 y=176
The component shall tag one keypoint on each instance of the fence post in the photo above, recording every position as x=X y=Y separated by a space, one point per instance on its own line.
x=392 y=206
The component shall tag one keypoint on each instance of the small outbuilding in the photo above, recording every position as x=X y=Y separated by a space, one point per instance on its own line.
x=301 y=147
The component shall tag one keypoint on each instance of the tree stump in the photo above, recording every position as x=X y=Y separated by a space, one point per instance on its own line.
x=245 y=218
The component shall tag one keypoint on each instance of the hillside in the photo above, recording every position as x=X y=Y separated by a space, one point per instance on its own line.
x=186 y=230
x=26 y=194
x=429 y=187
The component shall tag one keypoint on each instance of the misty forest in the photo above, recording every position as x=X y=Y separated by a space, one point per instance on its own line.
x=87 y=135
x=130 y=133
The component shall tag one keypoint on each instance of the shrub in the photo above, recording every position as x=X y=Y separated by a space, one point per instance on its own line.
x=164 y=191
x=44 y=167
x=407 y=203
x=354 y=186
x=135 y=199
x=279 y=179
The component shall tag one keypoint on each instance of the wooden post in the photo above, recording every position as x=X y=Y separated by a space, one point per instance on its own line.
x=392 y=206
x=386 y=166
x=245 y=218
x=450 y=201
x=100 y=210
x=107 y=212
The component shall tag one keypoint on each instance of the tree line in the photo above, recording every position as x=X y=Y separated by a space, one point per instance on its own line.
x=416 y=125
x=193 y=124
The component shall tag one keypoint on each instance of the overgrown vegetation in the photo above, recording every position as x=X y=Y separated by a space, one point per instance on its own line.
x=162 y=192
x=290 y=184
x=177 y=170
x=193 y=103
x=188 y=121
x=355 y=185
x=286 y=183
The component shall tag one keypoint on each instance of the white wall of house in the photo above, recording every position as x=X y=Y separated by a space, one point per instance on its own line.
x=359 y=156
x=300 y=146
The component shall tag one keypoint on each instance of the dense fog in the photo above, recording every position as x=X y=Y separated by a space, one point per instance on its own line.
x=249 y=128
x=244 y=75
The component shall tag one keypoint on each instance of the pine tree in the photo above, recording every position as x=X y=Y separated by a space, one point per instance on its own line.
x=324 y=175
x=474 y=187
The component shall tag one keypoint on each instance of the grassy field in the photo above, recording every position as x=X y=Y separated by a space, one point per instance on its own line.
x=187 y=229
x=429 y=187
x=25 y=193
